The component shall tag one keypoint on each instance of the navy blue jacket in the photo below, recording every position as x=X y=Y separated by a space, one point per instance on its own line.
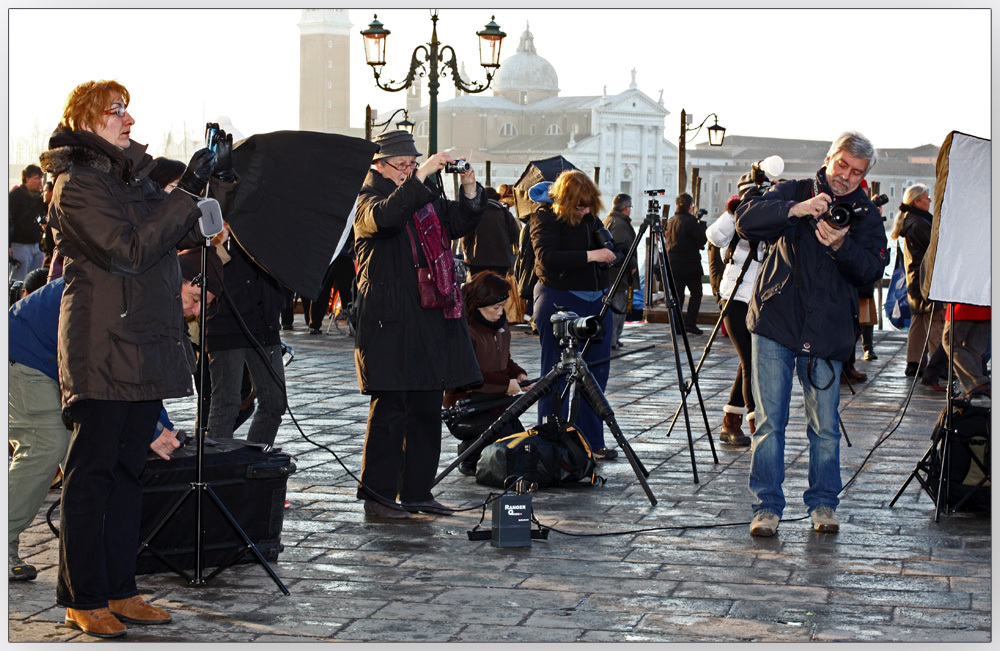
x=805 y=296
x=33 y=324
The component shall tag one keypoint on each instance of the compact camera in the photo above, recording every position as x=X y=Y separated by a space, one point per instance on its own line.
x=212 y=135
x=458 y=167
x=570 y=324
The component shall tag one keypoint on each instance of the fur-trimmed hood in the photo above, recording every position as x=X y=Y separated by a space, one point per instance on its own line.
x=68 y=148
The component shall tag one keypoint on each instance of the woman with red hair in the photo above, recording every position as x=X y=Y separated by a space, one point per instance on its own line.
x=572 y=270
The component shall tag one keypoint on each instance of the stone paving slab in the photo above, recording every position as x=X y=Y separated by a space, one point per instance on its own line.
x=685 y=570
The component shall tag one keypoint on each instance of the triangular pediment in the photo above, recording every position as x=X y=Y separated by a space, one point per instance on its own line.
x=633 y=101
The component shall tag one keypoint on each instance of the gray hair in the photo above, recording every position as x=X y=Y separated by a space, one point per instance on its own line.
x=913 y=193
x=856 y=145
x=621 y=202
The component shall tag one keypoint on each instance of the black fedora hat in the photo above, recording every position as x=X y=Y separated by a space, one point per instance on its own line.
x=398 y=142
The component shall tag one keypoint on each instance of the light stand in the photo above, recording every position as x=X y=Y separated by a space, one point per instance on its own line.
x=573 y=367
x=940 y=449
x=199 y=487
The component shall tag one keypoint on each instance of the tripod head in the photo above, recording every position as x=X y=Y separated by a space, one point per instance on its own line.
x=653 y=206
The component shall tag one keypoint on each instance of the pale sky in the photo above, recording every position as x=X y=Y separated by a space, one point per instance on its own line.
x=902 y=77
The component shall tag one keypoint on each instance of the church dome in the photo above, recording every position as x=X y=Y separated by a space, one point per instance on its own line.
x=526 y=71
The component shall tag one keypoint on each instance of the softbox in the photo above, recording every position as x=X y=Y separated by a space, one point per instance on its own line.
x=956 y=267
x=294 y=196
x=536 y=172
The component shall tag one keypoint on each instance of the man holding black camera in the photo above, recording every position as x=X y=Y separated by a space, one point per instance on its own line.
x=826 y=240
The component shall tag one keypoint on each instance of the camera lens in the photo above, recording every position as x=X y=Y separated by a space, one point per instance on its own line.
x=458 y=167
x=585 y=327
x=841 y=214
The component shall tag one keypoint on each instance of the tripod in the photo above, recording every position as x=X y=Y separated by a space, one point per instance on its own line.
x=652 y=221
x=199 y=488
x=573 y=367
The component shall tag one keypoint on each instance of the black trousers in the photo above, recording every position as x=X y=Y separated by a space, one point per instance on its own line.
x=101 y=507
x=741 y=395
x=693 y=284
x=402 y=445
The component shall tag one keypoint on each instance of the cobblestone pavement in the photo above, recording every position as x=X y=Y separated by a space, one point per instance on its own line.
x=694 y=574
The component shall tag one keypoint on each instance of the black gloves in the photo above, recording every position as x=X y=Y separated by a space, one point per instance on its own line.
x=198 y=172
x=224 y=151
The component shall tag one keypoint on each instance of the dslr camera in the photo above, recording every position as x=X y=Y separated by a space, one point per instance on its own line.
x=458 y=167
x=842 y=213
x=570 y=325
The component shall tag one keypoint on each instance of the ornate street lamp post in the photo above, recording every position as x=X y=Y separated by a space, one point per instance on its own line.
x=490 y=39
x=716 y=135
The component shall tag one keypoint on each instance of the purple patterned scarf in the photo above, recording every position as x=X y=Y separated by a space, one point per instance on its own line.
x=439 y=260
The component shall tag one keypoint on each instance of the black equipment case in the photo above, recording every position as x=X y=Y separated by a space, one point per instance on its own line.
x=249 y=482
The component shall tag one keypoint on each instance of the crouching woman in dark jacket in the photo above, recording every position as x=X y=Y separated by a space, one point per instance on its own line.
x=407 y=354
x=121 y=343
x=570 y=275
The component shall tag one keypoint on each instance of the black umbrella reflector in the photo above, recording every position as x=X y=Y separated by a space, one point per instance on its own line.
x=536 y=172
x=296 y=190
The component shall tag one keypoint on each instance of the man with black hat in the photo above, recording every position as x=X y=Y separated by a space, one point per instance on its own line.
x=412 y=339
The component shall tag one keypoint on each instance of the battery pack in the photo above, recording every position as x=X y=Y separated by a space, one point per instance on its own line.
x=512 y=521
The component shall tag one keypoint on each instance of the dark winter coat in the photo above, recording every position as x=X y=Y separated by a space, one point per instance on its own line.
x=916 y=236
x=399 y=345
x=121 y=324
x=805 y=296
x=561 y=252
x=684 y=237
x=258 y=299
x=492 y=244
x=620 y=227
x=24 y=207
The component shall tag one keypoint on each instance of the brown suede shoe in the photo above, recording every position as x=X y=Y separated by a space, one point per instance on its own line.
x=98 y=622
x=136 y=610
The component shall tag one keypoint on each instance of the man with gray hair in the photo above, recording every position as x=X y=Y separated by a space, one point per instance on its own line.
x=619 y=224
x=803 y=316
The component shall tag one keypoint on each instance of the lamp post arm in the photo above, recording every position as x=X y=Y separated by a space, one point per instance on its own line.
x=452 y=63
x=415 y=64
x=697 y=129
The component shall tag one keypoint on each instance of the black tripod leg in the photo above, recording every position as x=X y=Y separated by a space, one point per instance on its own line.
x=921 y=465
x=144 y=546
x=518 y=407
x=246 y=539
x=676 y=327
x=592 y=393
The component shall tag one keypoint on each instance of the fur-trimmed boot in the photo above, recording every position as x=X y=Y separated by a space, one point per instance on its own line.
x=731 y=422
x=750 y=419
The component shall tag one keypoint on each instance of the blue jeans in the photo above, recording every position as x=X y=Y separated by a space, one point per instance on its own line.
x=588 y=422
x=771 y=370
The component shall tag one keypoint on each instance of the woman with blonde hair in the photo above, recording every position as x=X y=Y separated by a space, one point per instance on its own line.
x=572 y=270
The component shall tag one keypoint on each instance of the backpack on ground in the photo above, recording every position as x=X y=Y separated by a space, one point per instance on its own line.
x=547 y=455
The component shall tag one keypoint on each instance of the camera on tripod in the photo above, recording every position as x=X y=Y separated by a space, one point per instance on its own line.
x=458 y=167
x=568 y=325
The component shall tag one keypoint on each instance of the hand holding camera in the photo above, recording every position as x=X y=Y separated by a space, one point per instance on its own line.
x=199 y=171
x=222 y=144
